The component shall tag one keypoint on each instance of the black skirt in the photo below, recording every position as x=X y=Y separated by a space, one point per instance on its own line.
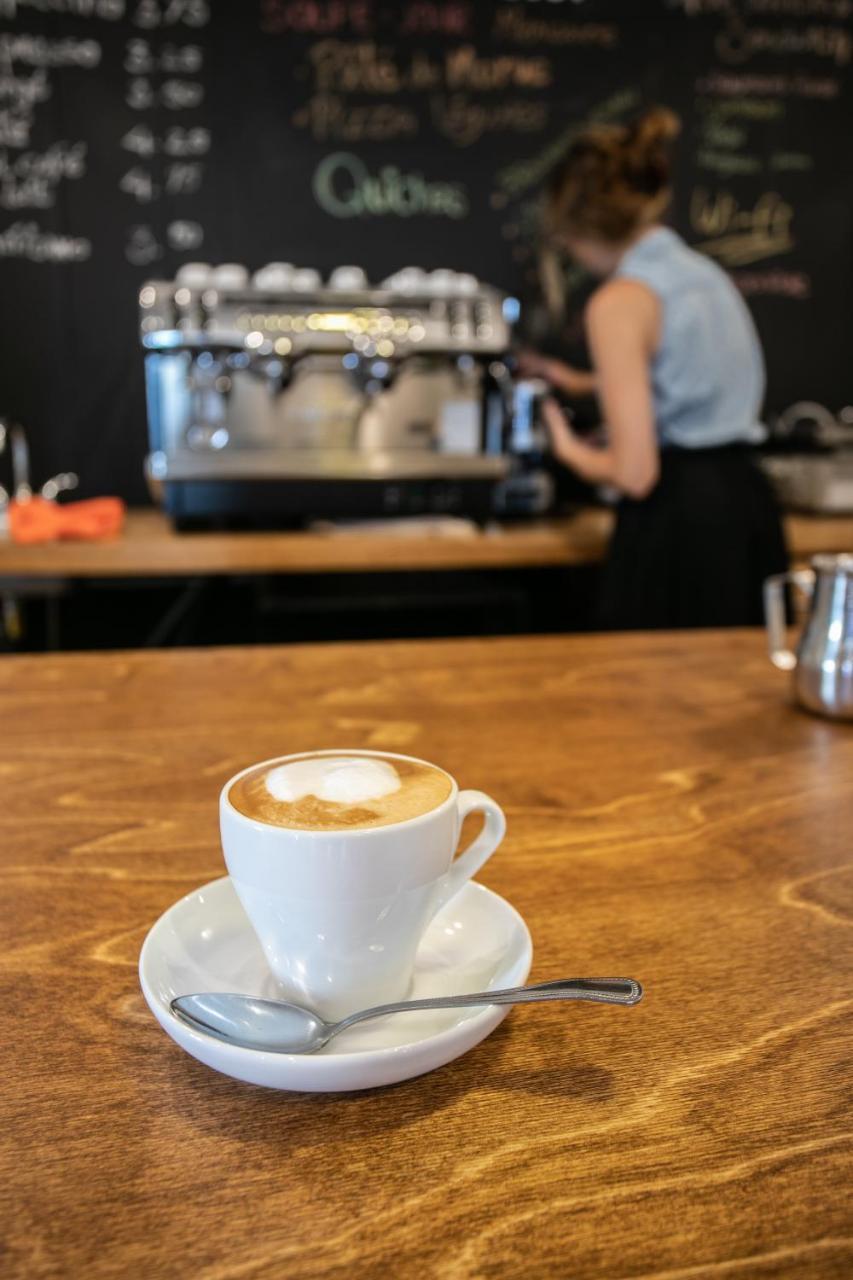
x=696 y=551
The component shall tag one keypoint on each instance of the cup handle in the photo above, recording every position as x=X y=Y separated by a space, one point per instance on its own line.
x=480 y=850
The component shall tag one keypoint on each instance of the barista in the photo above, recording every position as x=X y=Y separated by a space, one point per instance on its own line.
x=679 y=376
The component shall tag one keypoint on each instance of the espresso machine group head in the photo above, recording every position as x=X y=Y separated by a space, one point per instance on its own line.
x=282 y=397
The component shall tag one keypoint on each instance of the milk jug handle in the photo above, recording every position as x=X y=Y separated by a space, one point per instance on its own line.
x=776 y=616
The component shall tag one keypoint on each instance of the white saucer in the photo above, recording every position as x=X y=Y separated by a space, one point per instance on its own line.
x=205 y=943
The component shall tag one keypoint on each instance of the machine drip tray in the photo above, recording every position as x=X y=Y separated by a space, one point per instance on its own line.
x=290 y=504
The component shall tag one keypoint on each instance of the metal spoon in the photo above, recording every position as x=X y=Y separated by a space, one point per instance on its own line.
x=275 y=1026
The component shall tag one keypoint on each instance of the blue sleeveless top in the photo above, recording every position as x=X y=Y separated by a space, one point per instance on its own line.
x=708 y=372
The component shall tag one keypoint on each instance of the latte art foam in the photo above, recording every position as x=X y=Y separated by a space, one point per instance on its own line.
x=342 y=779
x=339 y=792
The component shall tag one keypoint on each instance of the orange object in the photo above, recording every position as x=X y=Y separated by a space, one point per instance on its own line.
x=38 y=520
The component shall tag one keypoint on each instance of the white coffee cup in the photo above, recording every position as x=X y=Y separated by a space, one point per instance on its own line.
x=340 y=914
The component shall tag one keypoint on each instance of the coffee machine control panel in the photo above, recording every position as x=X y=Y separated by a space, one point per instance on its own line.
x=291 y=312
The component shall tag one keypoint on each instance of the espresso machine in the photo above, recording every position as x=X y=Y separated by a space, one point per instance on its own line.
x=284 y=397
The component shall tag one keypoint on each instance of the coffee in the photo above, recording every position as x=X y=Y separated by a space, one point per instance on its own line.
x=339 y=792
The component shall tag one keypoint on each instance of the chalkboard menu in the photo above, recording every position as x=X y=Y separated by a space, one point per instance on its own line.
x=139 y=134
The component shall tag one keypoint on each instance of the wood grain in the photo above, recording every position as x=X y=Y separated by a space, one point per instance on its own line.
x=670 y=815
x=149 y=547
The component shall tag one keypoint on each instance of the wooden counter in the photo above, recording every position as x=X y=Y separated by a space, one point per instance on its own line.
x=670 y=817
x=150 y=547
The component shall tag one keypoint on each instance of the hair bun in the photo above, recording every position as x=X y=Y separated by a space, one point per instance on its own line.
x=646 y=147
x=614 y=178
x=654 y=128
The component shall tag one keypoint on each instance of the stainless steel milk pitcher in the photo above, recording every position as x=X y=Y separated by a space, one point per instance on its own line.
x=823 y=663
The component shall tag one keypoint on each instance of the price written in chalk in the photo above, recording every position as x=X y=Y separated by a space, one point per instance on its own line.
x=142 y=246
x=170 y=161
x=181 y=178
x=151 y=15
x=173 y=94
x=178 y=141
x=142 y=58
